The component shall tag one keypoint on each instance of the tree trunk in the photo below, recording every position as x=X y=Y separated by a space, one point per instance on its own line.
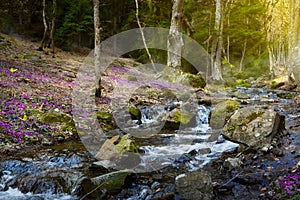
x=142 y=34
x=45 y=26
x=175 y=41
x=217 y=45
x=243 y=55
x=52 y=28
x=294 y=39
x=97 y=47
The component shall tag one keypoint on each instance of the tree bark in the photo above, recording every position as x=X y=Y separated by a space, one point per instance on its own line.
x=294 y=41
x=217 y=45
x=53 y=28
x=45 y=26
x=97 y=46
x=175 y=41
x=142 y=33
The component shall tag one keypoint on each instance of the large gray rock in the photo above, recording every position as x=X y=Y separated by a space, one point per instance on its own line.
x=111 y=181
x=221 y=112
x=253 y=126
x=194 y=185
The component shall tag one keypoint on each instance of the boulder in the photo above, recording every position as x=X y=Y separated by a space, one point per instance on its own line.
x=176 y=117
x=135 y=113
x=55 y=117
x=112 y=149
x=222 y=112
x=111 y=181
x=253 y=126
x=194 y=185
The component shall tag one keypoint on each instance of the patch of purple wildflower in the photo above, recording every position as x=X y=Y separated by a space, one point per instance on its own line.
x=290 y=184
x=25 y=92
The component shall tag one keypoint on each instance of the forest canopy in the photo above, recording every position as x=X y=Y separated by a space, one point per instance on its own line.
x=257 y=35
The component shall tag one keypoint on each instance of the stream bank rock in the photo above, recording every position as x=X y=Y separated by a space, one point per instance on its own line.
x=222 y=112
x=253 y=126
x=111 y=181
x=194 y=185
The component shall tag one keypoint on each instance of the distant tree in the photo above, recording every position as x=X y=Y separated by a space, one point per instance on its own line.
x=45 y=26
x=51 y=39
x=175 y=41
x=97 y=46
x=217 y=45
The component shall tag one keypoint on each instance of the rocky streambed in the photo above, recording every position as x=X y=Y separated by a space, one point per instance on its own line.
x=199 y=162
x=157 y=140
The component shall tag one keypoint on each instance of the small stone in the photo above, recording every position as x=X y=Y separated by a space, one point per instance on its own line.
x=155 y=185
x=232 y=163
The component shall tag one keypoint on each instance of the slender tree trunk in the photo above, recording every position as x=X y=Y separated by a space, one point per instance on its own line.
x=243 y=55
x=53 y=28
x=97 y=46
x=294 y=41
x=217 y=45
x=175 y=41
x=45 y=26
x=142 y=33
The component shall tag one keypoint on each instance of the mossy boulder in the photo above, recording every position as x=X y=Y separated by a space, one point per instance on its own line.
x=196 y=80
x=222 y=112
x=104 y=116
x=115 y=147
x=50 y=118
x=135 y=113
x=253 y=126
x=127 y=145
x=112 y=181
x=176 y=118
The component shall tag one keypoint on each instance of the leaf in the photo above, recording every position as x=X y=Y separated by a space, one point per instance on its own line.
x=13 y=70
x=24 y=118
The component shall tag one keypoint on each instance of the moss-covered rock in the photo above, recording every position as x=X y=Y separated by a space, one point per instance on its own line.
x=127 y=145
x=104 y=116
x=135 y=113
x=112 y=181
x=50 y=118
x=176 y=118
x=196 y=81
x=275 y=84
x=222 y=112
x=253 y=126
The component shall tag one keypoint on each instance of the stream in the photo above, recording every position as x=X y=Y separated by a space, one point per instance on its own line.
x=62 y=171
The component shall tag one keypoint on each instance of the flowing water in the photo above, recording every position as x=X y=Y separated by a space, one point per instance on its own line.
x=58 y=172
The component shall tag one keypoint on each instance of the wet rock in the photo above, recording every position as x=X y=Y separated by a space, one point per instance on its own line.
x=112 y=181
x=194 y=185
x=112 y=149
x=175 y=118
x=254 y=126
x=135 y=113
x=127 y=145
x=232 y=163
x=222 y=112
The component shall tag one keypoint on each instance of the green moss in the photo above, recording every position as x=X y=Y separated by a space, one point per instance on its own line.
x=54 y=118
x=182 y=117
x=231 y=106
x=275 y=84
x=135 y=113
x=230 y=130
x=196 y=81
x=253 y=116
x=287 y=95
x=104 y=116
x=132 y=78
x=126 y=145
